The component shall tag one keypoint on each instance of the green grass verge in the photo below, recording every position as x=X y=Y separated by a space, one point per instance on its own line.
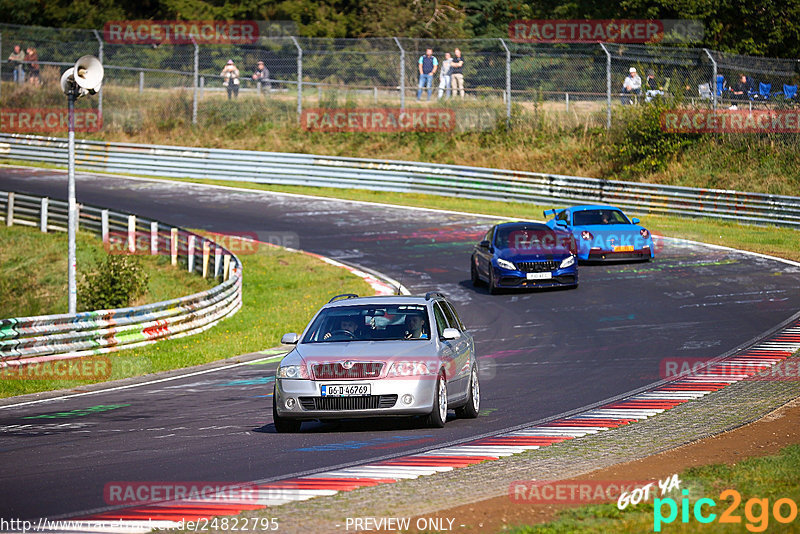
x=770 y=477
x=281 y=291
x=33 y=272
x=776 y=241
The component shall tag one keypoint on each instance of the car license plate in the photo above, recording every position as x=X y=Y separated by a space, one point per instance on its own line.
x=539 y=276
x=624 y=248
x=344 y=390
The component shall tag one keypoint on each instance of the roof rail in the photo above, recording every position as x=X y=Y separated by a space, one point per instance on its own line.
x=344 y=296
x=430 y=294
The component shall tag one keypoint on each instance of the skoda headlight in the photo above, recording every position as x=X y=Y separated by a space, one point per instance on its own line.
x=292 y=371
x=410 y=368
x=567 y=262
x=505 y=264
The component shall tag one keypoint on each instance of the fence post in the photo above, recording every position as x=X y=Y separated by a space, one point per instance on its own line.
x=226 y=267
x=713 y=79
x=10 y=209
x=153 y=238
x=508 y=83
x=190 y=253
x=608 y=86
x=173 y=246
x=194 y=80
x=131 y=233
x=299 y=79
x=217 y=263
x=402 y=74
x=43 y=218
x=141 y=81
x=100 y=57
x=206 y=256
x=566 y=98
x=104 y=226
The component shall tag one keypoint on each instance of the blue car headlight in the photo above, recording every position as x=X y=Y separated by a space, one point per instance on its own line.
x=567 y=262
x=505 y=264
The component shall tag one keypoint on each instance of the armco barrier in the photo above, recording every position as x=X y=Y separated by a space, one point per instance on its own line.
x=406 y=177
x=51 y=337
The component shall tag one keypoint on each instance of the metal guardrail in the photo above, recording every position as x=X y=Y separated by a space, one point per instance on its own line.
x=51 y=337
x=405 y=177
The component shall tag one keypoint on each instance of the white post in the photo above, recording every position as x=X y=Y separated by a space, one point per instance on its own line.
x=402 y=74
x=217 y=263
x=141 y=81
x=195 y=80
x=43 y=218
x=100 y=57
x=131 y=233
x=226 y=267
x=190 y=253
x=713 y=78
x=608 y=86
x=173 y=246
x=104 y=225
x=566 y=98
x=206 y=256
x=508 y=82
x=10 y=209
x=153 y=238
x=72 y=220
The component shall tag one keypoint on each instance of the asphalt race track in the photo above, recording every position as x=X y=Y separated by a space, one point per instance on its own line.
x=542 y=353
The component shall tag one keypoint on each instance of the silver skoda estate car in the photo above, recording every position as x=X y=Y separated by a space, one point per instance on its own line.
x=376 y=356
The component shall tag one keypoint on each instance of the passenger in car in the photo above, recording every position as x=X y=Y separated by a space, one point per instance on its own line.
x=415 y=327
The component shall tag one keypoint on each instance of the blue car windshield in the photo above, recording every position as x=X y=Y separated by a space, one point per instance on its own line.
x=393 y=322
x=598 y=217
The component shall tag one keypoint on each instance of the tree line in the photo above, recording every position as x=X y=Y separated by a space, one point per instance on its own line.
x=762 y=28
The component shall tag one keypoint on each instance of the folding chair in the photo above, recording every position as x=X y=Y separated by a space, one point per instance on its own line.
x=763 y=91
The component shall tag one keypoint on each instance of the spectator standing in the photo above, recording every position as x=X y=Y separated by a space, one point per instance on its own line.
x=456 y=73
x=444 y=75
x=261 y=76
x=15 y=60
x=32 y=65
x=427 y=68
x=632 y=85
x=230 y=77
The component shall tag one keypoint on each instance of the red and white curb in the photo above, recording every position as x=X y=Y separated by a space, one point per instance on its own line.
x=753 y=360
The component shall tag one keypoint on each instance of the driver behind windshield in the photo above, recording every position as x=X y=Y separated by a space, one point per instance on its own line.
x=347 y=328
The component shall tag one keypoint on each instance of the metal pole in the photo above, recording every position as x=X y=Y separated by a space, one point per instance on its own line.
x=608 y=86
x=73 y=208
x=402 y=74
x=100 y=57
x=713 y=79
x=508 y=83
x=299 y=79
x=195 y=80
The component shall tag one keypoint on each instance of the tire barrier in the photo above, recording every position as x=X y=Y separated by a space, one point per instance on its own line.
x=52 y=337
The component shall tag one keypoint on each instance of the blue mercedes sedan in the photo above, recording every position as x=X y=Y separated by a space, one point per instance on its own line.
x=604 y=233
x=524 y=255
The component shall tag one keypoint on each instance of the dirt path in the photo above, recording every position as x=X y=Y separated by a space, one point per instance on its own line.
x=764 y=437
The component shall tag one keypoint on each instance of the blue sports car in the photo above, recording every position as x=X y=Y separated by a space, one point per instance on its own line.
x=604 y=233
x=524 y=254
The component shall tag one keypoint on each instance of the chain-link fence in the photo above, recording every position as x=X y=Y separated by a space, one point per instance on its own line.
x=579 y=84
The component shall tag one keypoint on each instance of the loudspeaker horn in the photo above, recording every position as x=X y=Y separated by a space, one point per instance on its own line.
x=88 y=73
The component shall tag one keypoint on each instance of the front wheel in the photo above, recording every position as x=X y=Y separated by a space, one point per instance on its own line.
x=438 y=416
x=493 y=289
x=472 y=407
x=473 y=271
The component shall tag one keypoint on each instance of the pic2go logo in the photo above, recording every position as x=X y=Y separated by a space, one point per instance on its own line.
x=756 y=511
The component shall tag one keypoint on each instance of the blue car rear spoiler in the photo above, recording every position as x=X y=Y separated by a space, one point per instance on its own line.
x=551 y=212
